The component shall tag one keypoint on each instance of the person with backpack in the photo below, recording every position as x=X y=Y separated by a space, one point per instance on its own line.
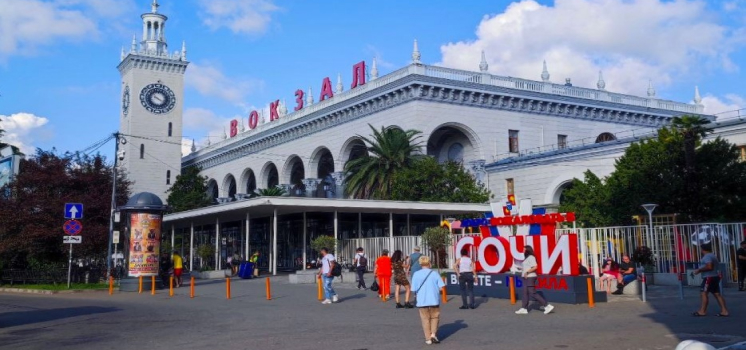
x=427 y=284
x=361 y=264
x=329 y=266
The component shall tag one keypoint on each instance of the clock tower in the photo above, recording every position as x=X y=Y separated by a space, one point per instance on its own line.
x=152 y=102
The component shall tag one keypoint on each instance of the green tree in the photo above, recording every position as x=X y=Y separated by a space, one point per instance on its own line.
x=429 y=181
x=653 y=171
x=437 y=239
x=189 y=191
x=692 y=129
x=30 y=207
x=389 y=151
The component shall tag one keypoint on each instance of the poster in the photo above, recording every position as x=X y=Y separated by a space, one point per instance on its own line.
x=145 y=239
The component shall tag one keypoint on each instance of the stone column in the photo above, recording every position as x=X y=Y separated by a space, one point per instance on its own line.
x=476 y=168
x=311 y=186
x=339 y=180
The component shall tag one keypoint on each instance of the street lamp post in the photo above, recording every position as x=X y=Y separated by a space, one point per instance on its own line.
x=117 y=157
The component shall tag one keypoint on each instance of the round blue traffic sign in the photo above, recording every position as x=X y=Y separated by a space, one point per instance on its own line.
x=72 y=227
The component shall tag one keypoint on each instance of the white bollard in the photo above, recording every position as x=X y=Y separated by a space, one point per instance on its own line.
x=694 y=345
x=644 y=285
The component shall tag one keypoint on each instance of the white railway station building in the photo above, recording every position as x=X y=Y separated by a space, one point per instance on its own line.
x=527 y=137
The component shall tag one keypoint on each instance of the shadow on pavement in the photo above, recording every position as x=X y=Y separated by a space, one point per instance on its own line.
x=20 y=318
x=449 y=329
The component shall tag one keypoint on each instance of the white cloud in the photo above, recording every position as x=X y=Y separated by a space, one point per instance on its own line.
x=240 y=16
x=630 y=41
x=725 y=108
x=208 y=80
x=28 y=25
x=21 y=130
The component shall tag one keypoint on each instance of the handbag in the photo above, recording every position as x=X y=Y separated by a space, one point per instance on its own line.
x=374 y=287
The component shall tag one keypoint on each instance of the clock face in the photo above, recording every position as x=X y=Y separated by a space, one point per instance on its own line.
x=126 y=100
x=157 y=98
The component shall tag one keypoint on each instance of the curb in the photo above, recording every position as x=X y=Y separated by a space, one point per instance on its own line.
x=49 y=292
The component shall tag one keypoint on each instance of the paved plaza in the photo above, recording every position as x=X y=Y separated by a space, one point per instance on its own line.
x=294 y=319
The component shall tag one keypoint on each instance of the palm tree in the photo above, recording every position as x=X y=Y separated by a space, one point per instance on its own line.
x=389 y=150
x=269 y=192
x=692 y=129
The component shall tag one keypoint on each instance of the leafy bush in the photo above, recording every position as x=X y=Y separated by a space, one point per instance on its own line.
x=437 y=239
x=324 y=242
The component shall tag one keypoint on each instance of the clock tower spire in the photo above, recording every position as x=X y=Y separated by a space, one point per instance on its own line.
x=152 y=105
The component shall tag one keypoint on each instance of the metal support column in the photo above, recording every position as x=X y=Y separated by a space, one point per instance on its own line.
x=173 y=240
x=336 y=233
x=248 y=228
x=305 y=233
x=274 y=244
x=359 y=225
x=217 y=245
x=409 y=225
x=191 y=247
x=391 y=233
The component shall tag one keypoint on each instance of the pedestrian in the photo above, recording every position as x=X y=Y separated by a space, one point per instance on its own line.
x=627 y=274
x=400 y=279
x=382 y=271
x=529 y=283
x=427 y=286
x=235 y=263
x=165 y=268
x=741 y=258
x=466 y=271
x=178 y=264
x=327 y=264
x=361 y=264
x=414 y=263
x=254 y=260
x=708 y=267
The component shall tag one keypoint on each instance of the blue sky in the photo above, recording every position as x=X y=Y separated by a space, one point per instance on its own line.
x=60 y=88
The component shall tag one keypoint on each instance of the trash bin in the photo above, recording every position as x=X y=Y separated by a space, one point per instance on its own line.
x=245 y=270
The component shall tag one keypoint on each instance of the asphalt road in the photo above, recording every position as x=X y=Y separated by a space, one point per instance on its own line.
x=294 y=319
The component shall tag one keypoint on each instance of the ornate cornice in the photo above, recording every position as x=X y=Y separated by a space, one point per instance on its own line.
x=154 y=63
x=414 y=87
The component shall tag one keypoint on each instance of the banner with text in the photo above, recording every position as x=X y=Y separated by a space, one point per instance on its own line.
x=145 y=238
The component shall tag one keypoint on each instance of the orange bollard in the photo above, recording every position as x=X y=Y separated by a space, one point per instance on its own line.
x=191 y=288
x=269 y=290
x=591 y=303
x=171 y=286
x=512 y=290
x=111 y=285
x=443 y=293
x=152 y=285
x=320 y=288
x=139 y=290
x=228 y=288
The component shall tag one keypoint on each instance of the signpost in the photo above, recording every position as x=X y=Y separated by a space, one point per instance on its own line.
x=72 y=240
x=72 y=228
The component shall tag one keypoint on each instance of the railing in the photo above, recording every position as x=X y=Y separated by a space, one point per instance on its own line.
x=675 y=248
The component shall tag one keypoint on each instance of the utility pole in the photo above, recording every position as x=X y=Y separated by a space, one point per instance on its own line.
x=113 y=201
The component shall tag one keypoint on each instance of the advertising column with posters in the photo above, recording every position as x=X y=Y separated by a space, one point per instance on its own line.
x=145 y=239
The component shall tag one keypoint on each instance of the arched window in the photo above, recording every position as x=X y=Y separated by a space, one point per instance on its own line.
x=168 y=177
x=142 y=151
x=170 y=129
x=604 y=137
x=456 y=153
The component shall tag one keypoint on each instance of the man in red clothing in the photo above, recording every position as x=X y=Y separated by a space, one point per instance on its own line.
x=382 y=271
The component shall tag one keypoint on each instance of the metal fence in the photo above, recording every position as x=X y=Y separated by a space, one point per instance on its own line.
x=675 y=248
